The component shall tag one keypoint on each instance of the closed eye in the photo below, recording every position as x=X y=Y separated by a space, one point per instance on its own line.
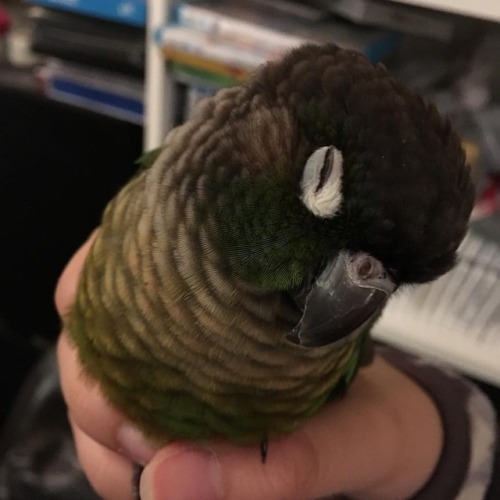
x=326 y=170
x=321 y=184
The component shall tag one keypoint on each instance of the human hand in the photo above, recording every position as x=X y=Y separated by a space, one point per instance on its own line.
x=382 y=440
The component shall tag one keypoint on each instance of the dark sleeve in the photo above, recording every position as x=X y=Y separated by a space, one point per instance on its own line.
x=469 y=466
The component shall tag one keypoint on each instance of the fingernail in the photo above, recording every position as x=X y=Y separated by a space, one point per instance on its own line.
x=133 y=445
x=189 y=474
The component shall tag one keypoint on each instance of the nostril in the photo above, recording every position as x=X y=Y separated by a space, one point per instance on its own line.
x=365 y=269
x=368 y=268
x=368 y=272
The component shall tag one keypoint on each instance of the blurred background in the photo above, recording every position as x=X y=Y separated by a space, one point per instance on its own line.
x=86 y=86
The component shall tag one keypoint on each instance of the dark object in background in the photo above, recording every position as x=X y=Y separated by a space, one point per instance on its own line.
x=90 y=41
x=59 y=165
x=37 y=455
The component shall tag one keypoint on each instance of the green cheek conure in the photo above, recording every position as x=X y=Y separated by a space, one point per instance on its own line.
x=234 y=280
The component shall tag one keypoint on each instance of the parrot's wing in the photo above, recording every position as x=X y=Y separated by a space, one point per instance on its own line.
x=148 y=158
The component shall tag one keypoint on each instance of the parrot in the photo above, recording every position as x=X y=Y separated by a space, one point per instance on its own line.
x=234 y=280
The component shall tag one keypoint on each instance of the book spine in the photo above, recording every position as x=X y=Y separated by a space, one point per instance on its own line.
x=206 y=64
x=101 y=79
x=116 y=97
x=206 y=52
x=97 y=59
x=96 y=100
x=230 y=28
x=189 y=75
x=131 y=12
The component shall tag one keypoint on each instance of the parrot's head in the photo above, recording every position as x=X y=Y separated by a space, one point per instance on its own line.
x=340 y=185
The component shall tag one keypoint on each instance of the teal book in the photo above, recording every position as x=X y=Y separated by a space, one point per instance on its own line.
x=123 y=11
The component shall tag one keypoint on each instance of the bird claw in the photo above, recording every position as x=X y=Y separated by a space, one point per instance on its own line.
x=136 y=481
x=263 y=449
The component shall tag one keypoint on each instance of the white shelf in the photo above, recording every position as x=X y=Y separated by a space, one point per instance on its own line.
x=158 y=87
x=484 y=9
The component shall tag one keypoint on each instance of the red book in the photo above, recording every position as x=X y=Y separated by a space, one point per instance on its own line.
x=4 y=21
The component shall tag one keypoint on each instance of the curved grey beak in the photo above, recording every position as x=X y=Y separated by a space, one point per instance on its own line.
x=351 y=290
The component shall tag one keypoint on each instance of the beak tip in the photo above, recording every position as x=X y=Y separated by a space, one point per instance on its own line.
x=342 y=300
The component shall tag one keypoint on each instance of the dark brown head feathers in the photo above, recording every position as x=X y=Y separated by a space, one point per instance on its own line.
x=407 y=190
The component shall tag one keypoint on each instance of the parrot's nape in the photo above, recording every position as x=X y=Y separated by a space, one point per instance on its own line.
x=231 y=286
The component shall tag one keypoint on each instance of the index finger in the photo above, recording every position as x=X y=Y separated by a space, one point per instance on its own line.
x=88 y=408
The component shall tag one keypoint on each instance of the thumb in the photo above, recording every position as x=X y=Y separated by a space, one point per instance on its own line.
x=187 y=472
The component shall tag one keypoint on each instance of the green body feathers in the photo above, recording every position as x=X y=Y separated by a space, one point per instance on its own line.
x=183 y=347
x=199 y=270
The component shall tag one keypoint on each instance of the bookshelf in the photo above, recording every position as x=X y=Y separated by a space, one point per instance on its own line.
x=159 y=85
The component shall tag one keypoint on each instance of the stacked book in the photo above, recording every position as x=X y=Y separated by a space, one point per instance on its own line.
x=95 y=54
x=456 y=318
x=209 y=45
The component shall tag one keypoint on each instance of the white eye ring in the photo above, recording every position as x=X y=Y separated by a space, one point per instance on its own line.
x=321 y=183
